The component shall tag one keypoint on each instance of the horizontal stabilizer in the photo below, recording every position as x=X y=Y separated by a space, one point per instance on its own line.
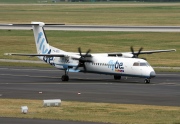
x=29 y=25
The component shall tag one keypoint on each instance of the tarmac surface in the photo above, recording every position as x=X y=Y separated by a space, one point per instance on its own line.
x=39 y=83
x=26 y=83
x=39 y=121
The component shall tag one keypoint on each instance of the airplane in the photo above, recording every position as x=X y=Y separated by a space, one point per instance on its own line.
x=117 y=64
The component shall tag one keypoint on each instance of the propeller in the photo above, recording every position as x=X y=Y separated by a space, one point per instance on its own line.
x=83 y=59
x=135 y=55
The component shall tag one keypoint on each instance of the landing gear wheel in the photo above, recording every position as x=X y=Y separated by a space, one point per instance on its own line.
x=147 y=81
x=65 y=78
x=116 y=77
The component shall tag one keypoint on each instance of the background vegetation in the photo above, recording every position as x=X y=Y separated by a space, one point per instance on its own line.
x=93 y=14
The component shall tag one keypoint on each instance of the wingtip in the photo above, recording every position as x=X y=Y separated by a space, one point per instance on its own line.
x=173 y=50
x=7 y=54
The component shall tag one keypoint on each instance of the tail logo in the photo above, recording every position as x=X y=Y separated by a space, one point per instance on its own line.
x=42 y=45
x=49 y=60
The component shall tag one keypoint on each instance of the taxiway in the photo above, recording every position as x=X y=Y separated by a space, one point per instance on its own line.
x=95 y=28
x=26 y=83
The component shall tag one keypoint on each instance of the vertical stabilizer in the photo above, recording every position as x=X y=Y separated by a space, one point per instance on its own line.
x=41 y=42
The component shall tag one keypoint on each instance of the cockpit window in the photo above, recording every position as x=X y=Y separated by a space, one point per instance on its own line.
x=136 y=64
x=141 y=64
x=144 y=64
x=148 y=64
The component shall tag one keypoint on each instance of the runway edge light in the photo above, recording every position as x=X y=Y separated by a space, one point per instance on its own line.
x=24 y=109
x=51 y=102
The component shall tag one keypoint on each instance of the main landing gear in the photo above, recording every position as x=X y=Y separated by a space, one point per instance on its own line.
x=147 y=81
x=65 y=77
x=116 y=77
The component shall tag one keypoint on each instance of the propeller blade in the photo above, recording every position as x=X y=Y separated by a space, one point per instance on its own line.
x=132 y=50
x=79 y=50
x=88 y=52
x=82 y=59
x=139 y=51
x=135 y=55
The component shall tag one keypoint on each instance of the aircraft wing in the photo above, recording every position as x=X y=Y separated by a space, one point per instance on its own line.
x=155 y=51
x=142 y=52
x=89 y=55
x=32 y=55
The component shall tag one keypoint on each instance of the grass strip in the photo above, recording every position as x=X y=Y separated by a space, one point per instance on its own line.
x=103 y=14
x=99 y=42
x=92 y=112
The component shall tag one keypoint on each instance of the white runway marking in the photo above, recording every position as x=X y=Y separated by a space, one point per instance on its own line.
x=31 y=69
x=28 y=76
x=3 y=68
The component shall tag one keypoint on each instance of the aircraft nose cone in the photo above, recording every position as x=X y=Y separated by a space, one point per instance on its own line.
x=152 y=74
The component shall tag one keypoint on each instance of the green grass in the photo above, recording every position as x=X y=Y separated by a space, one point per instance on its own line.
x=50 y=1
x=166 y=70
x=23 y=42
x=21 y=1
x=92 y=112
x=104 y=14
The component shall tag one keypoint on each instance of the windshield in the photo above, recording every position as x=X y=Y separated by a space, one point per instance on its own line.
x=148 y=64
x=141 y=64
x=136 y=64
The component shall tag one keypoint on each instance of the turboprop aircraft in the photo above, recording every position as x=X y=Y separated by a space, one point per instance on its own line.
x=116 y=64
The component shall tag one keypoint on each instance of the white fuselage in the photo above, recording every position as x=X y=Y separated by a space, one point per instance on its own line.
x=102 y=64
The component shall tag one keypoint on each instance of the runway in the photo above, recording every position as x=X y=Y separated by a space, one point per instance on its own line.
x=26 y=83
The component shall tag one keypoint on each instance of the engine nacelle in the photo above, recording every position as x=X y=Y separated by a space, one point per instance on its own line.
x=127 y=55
